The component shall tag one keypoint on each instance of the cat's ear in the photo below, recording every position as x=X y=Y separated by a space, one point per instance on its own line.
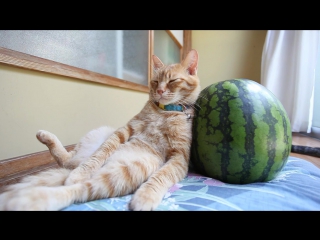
x=156 y=62
x=191 y=62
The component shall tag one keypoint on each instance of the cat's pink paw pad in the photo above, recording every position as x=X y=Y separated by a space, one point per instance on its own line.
x=45 y=137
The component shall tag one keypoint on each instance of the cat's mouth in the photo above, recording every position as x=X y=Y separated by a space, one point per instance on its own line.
x=162 y=100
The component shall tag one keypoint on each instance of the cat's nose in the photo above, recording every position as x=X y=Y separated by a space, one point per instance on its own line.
x=160 y=92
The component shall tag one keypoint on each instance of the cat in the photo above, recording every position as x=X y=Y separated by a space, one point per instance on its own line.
x=143 y=158
x=305 y=150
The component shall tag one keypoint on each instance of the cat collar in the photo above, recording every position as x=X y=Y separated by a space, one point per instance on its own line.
x=173 y=107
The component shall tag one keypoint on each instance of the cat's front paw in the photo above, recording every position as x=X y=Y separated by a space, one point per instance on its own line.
x=45 y=137
x=144 y=200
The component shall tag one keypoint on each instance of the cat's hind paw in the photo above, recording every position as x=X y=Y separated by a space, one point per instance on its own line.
x=23 y=200
x=4 y=197
x=39 y=198
x=45 y=137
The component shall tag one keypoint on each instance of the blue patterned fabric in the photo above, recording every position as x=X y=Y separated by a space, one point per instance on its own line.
x=297 y=187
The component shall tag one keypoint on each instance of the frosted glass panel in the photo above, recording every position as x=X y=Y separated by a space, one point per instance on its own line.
x=165 y=48
x=117 y=53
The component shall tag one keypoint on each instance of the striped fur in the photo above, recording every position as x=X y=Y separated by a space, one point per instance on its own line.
x=145 y=157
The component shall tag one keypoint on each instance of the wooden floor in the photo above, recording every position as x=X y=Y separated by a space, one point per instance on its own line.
x=300 y=139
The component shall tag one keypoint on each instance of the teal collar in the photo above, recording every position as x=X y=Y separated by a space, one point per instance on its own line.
x=172 y=107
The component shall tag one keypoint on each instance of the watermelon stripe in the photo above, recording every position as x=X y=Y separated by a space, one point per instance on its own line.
x=201 y=101
x=271 y=138
x=224 y=127
x=287 y=137
x=250 y=127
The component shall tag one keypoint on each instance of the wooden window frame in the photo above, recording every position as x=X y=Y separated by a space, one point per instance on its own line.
x=13 y=169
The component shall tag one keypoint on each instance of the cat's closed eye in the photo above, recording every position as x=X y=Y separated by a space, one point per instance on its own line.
x=154 y=82
x=174 y=80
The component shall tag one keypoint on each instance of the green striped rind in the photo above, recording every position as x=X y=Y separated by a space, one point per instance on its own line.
x=241 y=133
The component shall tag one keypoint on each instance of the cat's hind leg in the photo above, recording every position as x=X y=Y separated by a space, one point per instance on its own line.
x=121 y=175
x=87 y=145
x=42 y=198
x=51 y=177
x=126 y=169
x=25 y=195
x=57 y=150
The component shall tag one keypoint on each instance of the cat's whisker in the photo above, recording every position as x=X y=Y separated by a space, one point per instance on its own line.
x=203 y=95
x=148 y=103
x=185 y=103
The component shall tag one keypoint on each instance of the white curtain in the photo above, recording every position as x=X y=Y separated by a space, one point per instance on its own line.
x=288 y=70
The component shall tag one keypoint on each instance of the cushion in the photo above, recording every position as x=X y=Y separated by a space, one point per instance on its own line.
x=296 y=187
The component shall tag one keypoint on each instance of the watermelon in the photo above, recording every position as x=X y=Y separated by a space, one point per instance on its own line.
x=241 y=133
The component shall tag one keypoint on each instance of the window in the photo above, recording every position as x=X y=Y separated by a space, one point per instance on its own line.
x=166 y=47
x=113 y=57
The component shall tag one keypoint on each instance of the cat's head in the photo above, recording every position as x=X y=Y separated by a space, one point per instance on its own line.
x=175 y=83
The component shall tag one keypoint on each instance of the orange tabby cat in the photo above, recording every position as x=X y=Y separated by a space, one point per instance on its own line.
x=145 y=157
